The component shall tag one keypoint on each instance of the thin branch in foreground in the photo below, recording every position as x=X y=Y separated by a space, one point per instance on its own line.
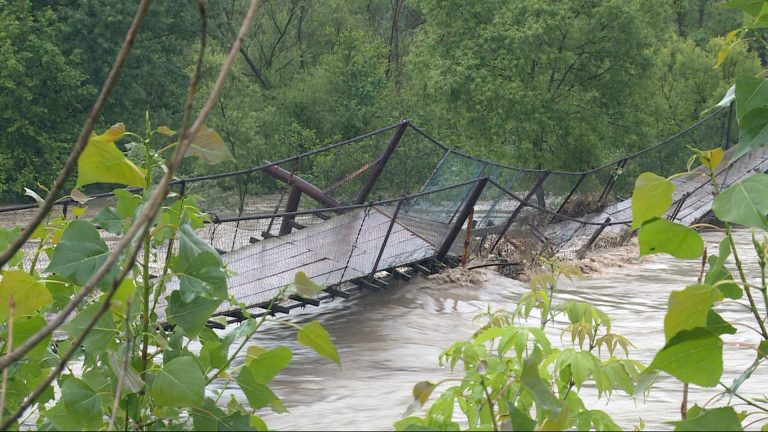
x=150 y=210
x=82 y=139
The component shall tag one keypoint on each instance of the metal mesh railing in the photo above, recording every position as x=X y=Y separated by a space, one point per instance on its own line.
x=521 y=211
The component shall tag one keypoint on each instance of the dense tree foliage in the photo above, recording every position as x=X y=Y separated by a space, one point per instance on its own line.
x=560 y=85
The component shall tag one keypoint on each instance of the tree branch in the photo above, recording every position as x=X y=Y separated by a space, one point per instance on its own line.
x=85 y=133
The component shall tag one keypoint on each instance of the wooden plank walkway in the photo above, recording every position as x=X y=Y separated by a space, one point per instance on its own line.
x=330 y=253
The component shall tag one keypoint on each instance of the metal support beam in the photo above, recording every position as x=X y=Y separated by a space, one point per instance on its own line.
x=469 y=203
x=583 y=251
x=386 y=237
x=304 y=186
x=304 y=300
x=519 y=208
x=728 y=127
x=568 y=197
x=612 y=181
x=379 y=167
x=337 y=293
x=294 y=197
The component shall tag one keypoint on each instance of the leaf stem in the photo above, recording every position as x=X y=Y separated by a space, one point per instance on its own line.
x=4 y=390
x=147 y=250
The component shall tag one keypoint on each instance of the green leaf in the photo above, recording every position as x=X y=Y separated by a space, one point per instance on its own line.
x=651 y=197
x=718 y=273
x=304 y=286
x=210 y=417
x=27 y=292
x=191 y=316
x=268 y=364
x=712 y=158
x=663 y=236
x=744 y=203
x=520 y=421
x=752 y=7
x=692 y=356
x=717 y=325
x=753 y=132
x=8 y=236
x=103 y=162
x=257 y=393
x=209 y=146
x=689 y=308
x=101 y=336
x=751 y=93
x=24 y=328
x=165 y=130
x=314 y=336
x=127 y=203
x=59 y=418
x=718 y=419
x=109 y=219
x=132 y=382
x=82 y=403
x=179 y=384
x=79 y=254
x=538 y=388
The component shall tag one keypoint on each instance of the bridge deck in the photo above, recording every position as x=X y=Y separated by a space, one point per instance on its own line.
x=330 y=253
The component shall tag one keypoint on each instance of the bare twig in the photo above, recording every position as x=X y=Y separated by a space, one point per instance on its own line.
x=4 y=390
x=126 y=365
x=150 y=209
x=82 y=139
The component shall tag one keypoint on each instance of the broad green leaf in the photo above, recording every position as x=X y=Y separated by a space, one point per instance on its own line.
x=718 y=273
x=712 y=158
x=209 y=146
x=132 y=382
x=24 y=328
x=651 y=197
x=314 y=336
x=27 y=292
x=752 y=7
x=692 y=356
x=663 y=236
x=103 y=162
x=82 y=403
x=202 y=277
x=744 y=203
x=268 y=364
x=689 y=308
x=60 y=419
x=520 y=421
x=258 y=394
x=179 y=384
x=601 y=421
x=539 y=390
x=101 y=336
x=127 y=203
x=722 y=55
x=191 y=316
x=304 y=286
x=7 y=236
x=753 y=132
x=198 y=268
x=717 y=325
x=718 y=419
x=751 y=93
x=109 y=219
x=210 y=417
x=79 y=254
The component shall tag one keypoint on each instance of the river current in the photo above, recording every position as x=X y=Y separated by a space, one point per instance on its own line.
x=390 y=340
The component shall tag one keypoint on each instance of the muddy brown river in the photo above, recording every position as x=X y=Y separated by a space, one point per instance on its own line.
x=390 y=340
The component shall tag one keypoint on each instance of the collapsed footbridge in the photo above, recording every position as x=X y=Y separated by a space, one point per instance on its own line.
x=395 y=202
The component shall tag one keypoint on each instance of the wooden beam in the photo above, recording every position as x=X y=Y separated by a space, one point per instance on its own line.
x=294 y=197
x=379 y=167
x=304 y=186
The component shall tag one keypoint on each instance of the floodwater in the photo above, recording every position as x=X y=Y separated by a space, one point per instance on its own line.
x=390 y=340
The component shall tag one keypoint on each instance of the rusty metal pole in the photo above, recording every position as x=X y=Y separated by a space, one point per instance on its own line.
x=377 y=170
x=469 y=204
x=291 y=205
x=467 y=238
